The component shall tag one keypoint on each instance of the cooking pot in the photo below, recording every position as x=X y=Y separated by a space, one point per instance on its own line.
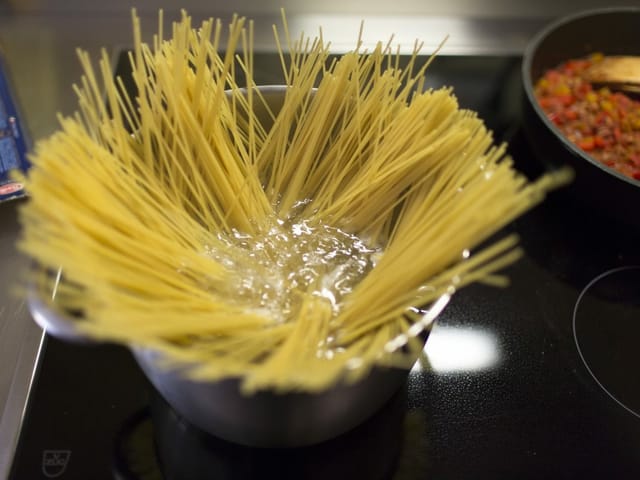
x=265 y=418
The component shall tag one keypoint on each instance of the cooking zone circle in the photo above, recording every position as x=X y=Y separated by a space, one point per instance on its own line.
x=606 y=329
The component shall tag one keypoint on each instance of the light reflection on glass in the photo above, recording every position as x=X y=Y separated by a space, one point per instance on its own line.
x=455 y=349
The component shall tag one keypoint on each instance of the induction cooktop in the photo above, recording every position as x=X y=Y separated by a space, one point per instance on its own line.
x=533 y=381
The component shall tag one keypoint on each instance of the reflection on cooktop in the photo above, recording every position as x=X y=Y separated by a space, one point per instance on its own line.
x=459 y=349
x=606 y=329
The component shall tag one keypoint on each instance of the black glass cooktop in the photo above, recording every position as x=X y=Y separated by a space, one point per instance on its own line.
x=535 y=381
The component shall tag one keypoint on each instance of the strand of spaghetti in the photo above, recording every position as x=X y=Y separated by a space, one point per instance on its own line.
x=438 y=232
x=119 y=190
x=357 y=142
x=301 y=344
x=199 y=56
x=294 y=110
x=235 y=31
x=246 y=344
x=126 y=105
x=205 y=199
x=92 y=88
x=139 y=73
x=118 y=137
x=397 y=306
x=438 y=238
x=238 y=176
x=87 y=114
x=224 y=170
x=309 y=141
x=237 y=142
x=157 y=241
x=248 y=50
x=181 y=178
x=427 y=175
x=357 y=187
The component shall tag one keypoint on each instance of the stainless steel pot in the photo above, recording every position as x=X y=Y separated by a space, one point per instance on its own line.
x=264 y=419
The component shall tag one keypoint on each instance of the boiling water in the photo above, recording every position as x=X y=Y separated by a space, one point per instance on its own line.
x=269 y=271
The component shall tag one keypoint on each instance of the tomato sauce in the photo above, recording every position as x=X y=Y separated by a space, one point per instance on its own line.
x=603 y=123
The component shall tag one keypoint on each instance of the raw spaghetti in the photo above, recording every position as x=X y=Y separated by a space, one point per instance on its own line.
x=290 y=249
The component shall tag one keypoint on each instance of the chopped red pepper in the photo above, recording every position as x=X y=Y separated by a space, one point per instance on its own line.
x=570 y=114
x=616 y=134
x=587 y=144
x=599 y=141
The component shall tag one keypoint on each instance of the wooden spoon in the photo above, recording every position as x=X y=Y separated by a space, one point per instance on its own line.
x=620 y=73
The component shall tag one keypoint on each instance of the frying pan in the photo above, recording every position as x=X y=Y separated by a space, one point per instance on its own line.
x=612 y=31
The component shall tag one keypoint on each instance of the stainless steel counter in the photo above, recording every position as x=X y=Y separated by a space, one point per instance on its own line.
x=39 y=40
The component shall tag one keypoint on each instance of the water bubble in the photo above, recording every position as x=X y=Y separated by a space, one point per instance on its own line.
x=291 y=258
x=354 y=363
x=418 y=311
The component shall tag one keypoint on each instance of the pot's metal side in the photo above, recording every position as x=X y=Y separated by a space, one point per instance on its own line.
x=267 y=418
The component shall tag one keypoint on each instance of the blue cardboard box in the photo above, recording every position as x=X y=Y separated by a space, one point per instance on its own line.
x=14 y=141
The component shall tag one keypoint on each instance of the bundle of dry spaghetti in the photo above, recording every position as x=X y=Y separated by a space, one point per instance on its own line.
x=293 y=249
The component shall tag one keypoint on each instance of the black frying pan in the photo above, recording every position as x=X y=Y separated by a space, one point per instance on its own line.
x=612 y=31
